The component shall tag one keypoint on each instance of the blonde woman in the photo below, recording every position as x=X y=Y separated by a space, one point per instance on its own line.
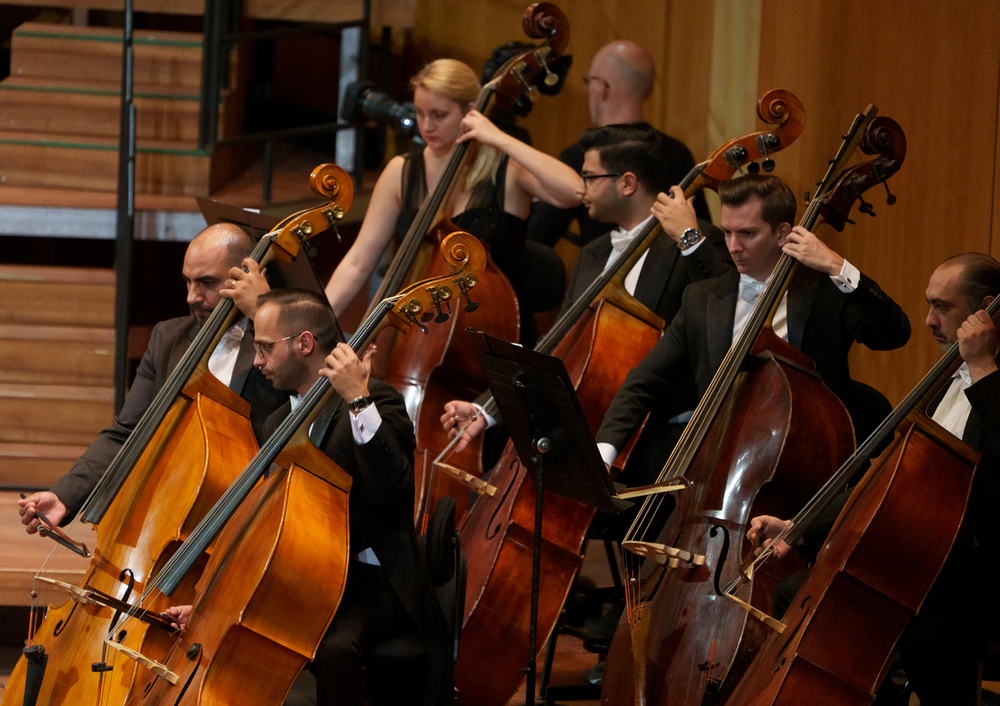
x=491 y=197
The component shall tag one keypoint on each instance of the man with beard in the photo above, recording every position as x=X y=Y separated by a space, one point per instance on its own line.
x=364 y=429
x=207 y=261
x=938 y=649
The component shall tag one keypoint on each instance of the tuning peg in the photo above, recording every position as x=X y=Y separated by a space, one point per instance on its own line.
x=529 y=90
x=464 y=285
x=439 y=295
x=865 y=207
x=410 y=311
x=551 y=79
x=890 y=198
x=753 y=167
x=762 y=145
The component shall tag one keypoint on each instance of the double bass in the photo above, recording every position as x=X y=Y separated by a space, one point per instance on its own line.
x=443 y=366
x=766 y=433
x=834 y=644
x=279 y=545
x=600 y=337
x=184 y=448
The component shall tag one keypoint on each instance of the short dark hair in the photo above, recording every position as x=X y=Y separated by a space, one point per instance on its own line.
x=777 y=200
x=303 y=310
x=631 y=147
x=980 y=277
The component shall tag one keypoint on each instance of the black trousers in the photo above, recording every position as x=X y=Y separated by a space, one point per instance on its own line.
x=370 y=613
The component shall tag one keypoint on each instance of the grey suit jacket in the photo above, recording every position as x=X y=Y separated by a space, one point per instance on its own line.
x=167 y=344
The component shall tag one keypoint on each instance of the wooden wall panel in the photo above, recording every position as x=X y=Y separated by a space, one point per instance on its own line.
x=935 y=70
x=676 y=33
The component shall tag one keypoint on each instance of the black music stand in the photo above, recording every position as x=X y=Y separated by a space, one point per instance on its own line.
x=550 y=432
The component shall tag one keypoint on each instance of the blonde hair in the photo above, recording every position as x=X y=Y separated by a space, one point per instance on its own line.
x=457 y=82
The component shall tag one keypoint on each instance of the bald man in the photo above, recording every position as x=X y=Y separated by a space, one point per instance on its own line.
x=619 y=81
x=206 y=267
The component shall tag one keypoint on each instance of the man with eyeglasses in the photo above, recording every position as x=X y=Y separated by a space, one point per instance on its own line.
x=207 y=261
x=364 y=428
x=619 y=81
x=623 y=184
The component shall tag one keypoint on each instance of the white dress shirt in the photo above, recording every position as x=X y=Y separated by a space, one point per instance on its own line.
x=223 y=359
x=954 y=409
x=847 y=281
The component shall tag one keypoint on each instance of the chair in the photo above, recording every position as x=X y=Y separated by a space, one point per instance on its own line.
x=396 y=665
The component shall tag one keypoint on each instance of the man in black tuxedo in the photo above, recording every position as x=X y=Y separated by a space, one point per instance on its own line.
x=939 y=648
x=207 y=261
x=365 y=430
x=829 y=306
x=624 y=184
x=619 y=81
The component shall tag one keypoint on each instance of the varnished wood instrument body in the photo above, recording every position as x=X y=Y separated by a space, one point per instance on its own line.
x=199 y=445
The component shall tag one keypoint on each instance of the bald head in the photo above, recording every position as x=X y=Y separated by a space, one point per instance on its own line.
x=622 y=74
x=207 y=261
x=228 y=241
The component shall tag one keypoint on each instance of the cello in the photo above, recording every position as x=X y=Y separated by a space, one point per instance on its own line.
x=184 y=446
x=443 y=366
x=878 y=563
x=765 y=434
x=600 y=337
x=266 y=534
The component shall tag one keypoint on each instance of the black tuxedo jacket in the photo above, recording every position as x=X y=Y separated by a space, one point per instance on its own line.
x=982 y=432
x=167 y=344
x=665 y=272
x=823 y=323
x=380 y=505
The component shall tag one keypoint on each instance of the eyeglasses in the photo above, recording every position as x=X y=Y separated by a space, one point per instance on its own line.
x=587 y=177
x=264 y=349
x=588 y=79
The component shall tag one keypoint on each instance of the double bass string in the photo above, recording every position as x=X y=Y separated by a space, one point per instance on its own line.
x=763 y=311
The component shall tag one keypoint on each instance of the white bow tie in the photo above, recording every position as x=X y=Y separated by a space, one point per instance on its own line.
x=750 y=288
x=620 y=240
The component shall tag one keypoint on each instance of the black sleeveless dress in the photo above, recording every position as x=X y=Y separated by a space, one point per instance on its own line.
x=484 y=217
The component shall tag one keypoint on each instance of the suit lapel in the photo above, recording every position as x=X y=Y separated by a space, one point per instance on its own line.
x=244 y=361
x=661 y=260
x=801 y=294
x=719 y=316
x=321 y=426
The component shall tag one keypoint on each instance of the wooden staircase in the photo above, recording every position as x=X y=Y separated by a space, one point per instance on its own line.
x=56 y=369
x=59 y=112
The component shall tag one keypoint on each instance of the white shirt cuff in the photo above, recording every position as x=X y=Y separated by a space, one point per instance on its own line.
x=364 y=425
x=848 y=279
x=608 y=452
x=490 y=421
x=694 y=247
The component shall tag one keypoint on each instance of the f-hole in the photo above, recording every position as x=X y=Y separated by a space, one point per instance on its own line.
x=722 y=555
x=128 y=578
x=779 y=661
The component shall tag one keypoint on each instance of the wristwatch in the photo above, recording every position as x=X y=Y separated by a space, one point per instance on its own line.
x=690 y=238
x=360 y=404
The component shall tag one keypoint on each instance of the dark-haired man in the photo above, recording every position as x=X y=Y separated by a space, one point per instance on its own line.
x=619 y=81
x=829 y=306
x=623 y=183
x=939 y=648
x=365 y=430
x=207 y=262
